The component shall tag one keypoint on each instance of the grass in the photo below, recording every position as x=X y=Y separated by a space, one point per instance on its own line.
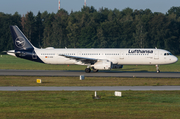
x=79 y=104
x=10 y=62
x=73 y=105
x=89 y=81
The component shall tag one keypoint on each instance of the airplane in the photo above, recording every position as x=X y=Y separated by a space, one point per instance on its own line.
x=94 y=58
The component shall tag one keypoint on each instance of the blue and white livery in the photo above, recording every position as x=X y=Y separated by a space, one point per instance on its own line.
x=95 y=59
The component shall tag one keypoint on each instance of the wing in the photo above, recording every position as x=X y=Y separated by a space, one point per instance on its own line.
x=83 y=60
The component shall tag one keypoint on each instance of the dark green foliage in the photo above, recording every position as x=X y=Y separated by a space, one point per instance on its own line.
x=91 y=28
x=6 y=20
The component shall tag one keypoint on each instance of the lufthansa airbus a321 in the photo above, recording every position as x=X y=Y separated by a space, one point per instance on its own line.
x=94 y=59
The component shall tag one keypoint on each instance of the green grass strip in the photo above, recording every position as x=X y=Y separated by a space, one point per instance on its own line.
x=89 y=81
x=75 y=105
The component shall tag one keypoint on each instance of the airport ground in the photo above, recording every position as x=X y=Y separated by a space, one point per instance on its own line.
x=79 y=104
x=89 y=81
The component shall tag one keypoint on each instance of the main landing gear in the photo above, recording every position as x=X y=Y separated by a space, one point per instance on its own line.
x=88 y=70
x=95 y=70
x=157 y=69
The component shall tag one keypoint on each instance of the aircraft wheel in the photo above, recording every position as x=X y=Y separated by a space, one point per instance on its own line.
x=157 y=69
x=95 y=70
x=87 y=70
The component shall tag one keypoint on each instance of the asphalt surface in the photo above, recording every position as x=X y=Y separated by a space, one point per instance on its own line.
x=89 y=88
x=98 y=74
x=92 y=88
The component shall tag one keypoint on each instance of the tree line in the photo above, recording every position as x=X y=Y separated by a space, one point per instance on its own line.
x=91 y=28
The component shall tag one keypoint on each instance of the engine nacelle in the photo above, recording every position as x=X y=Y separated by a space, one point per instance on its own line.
x=103 y=65
x=115 y=66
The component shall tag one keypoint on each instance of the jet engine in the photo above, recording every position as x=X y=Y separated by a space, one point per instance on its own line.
x=103 y=65
x=116 y=66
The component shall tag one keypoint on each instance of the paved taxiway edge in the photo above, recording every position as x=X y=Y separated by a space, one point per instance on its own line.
x=91 y=88
x=99 y=74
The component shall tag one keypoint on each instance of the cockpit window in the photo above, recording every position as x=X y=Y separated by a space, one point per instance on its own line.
x=165 y=54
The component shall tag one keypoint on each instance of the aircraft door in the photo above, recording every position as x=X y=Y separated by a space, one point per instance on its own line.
x=156 y=55
x=79 y=53
x=34 y=56
x=121 y=55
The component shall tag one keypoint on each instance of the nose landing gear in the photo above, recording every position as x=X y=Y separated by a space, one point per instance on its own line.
x=157 y=69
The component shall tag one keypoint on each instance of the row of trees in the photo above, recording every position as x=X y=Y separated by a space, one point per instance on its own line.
x=90 y=28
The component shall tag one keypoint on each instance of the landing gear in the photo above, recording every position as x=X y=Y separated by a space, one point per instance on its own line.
x=157 y=69
x=95 y=70
x=87 y=70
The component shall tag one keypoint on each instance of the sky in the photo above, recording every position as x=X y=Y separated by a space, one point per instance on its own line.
x=24 y=6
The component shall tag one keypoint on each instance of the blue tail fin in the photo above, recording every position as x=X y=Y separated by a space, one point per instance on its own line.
x=20 y=40
x=23 y=48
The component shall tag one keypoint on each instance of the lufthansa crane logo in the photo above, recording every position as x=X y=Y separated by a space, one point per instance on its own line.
x=20 y=42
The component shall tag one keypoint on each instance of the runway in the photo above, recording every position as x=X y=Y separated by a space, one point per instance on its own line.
x=93 y=88
x=98 y=74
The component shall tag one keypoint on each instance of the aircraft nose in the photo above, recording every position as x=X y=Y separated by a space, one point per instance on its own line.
x=174 y=59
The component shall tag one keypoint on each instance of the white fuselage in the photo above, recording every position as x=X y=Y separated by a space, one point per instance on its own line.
x=95 y=59
x=116 y=56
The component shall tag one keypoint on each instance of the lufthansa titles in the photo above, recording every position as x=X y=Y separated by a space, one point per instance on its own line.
x=140 y=51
